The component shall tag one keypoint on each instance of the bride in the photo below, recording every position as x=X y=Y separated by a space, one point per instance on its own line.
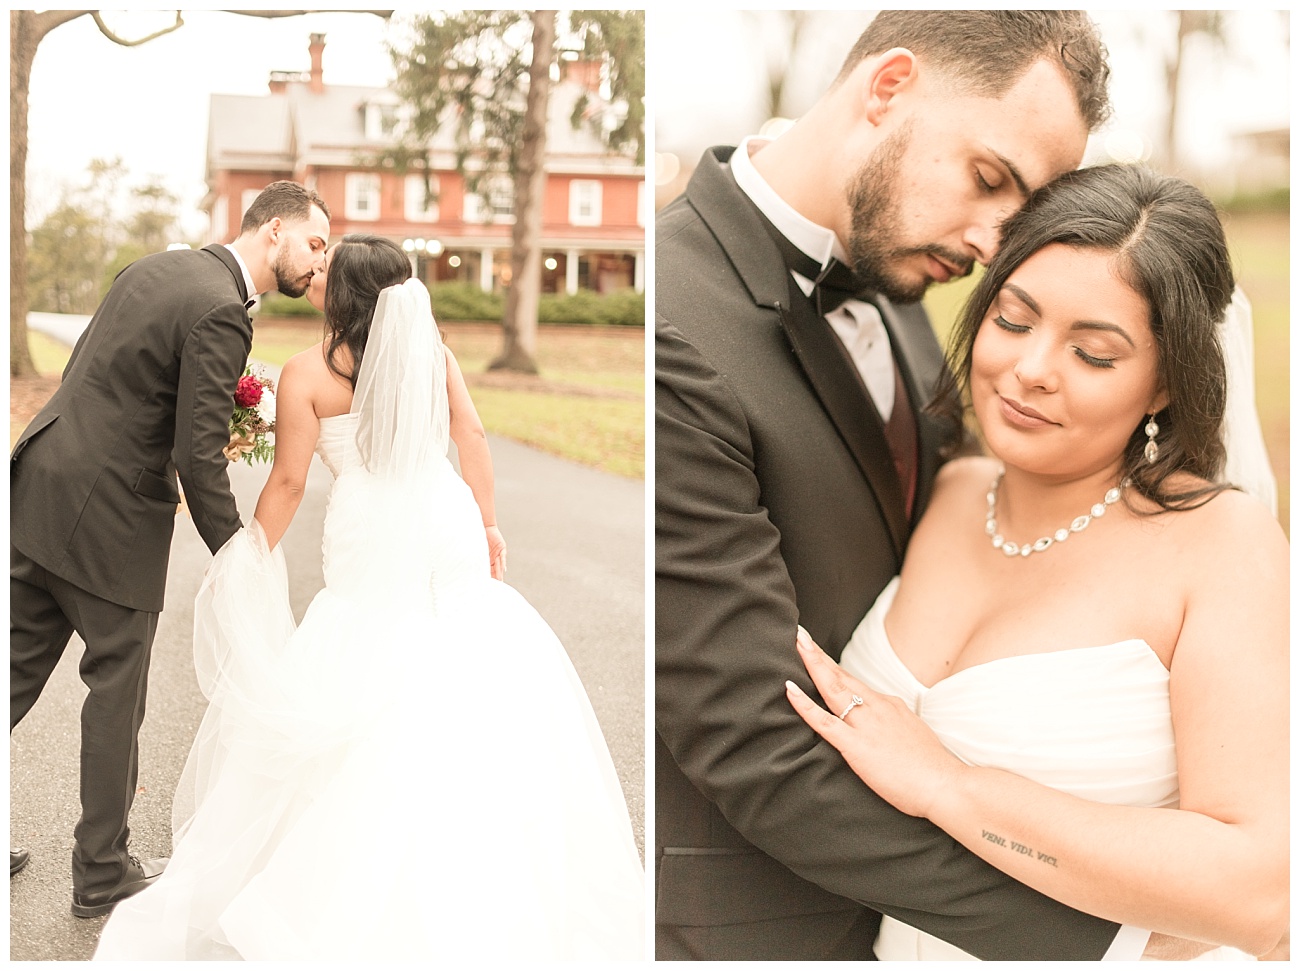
x=1090 y=358
x=347 y=796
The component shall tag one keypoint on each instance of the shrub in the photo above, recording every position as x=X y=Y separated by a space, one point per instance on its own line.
x=278 y=305
x=465 y=301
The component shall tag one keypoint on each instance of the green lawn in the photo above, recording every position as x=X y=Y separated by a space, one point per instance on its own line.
x=587 y=406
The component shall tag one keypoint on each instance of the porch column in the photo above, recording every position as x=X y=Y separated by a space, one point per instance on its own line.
x=571 y=271
x=638 y=272
x=485 y=270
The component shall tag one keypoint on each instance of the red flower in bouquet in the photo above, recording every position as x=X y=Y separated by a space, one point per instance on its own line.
x=253 y=419
x=249 y=391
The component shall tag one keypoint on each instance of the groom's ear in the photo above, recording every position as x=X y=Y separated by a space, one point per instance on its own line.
x=892 y=73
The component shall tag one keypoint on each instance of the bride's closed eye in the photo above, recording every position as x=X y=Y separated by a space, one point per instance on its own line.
x=1008 y=325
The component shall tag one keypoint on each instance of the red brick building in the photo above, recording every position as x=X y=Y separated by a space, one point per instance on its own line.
x=594 y=208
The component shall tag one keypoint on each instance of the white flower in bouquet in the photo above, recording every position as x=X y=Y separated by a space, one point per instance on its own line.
x=266 y=407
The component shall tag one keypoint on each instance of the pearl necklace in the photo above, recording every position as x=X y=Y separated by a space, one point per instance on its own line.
x=1077 y=525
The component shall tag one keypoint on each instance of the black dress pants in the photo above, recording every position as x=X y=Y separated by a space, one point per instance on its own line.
x=44 y=611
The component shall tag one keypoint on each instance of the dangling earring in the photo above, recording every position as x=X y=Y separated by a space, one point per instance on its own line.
x=1152 y=451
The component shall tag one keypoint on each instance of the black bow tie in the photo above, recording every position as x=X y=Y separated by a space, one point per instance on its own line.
x=833 y=284
x=248 y=304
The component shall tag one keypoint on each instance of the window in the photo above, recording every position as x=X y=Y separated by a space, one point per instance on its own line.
x=361 y=195
x=494 y=202
x=501 y=200
x=421 y=206
x=584 y=202
x=246 y=199
x=475 y=210
x=384 y=121
x=220 y=219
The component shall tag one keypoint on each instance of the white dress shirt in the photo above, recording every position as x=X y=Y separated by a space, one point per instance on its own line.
x=859 y=327
x=856 y=322
x=243 y=267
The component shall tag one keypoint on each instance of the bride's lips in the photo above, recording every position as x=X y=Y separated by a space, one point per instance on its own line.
x=1022 y=415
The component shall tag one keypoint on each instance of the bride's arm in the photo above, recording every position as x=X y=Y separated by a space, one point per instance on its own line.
x=296 y=430
x=475 y=460
x=1215 y=869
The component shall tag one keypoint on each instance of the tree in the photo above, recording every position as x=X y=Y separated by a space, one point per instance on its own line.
x=1209 y=24
x=27 y=28
x=486 y=75
x=72 y=252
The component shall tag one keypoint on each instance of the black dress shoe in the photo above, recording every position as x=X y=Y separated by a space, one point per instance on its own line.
x=17 y=860
x=139 y=874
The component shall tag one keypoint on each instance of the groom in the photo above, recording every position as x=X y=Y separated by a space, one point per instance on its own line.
x=793 y=457
x=145 y=397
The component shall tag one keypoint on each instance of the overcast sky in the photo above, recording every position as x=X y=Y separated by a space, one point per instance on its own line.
x=707 y=93
x=149 y=104
x=91 y=98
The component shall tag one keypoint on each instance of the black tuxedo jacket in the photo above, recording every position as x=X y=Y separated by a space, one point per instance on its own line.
x=147 y=393
x=776 y=503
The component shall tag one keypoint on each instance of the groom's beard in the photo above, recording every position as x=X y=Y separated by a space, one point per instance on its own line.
x=876 y=227
x=285 y=282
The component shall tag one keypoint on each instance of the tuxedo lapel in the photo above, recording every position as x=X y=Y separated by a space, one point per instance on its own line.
x=231 y=264
x=757 y=260
x=844 y=398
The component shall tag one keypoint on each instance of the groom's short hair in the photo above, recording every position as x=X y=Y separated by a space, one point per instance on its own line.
x=985 y=52
x=285 y=200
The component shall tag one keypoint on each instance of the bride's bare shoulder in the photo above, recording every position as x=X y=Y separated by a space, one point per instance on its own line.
x=962 y=477
x=1232 y=523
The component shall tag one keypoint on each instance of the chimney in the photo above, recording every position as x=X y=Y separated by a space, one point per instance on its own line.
x=317 y=48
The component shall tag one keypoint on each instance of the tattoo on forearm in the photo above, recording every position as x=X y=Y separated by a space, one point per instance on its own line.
x=1018 y=847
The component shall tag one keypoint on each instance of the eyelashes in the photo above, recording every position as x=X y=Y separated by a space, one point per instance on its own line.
x=1084 y=356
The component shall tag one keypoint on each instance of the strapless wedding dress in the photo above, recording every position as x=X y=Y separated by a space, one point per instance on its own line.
x=1094 y=722
x=358 y=791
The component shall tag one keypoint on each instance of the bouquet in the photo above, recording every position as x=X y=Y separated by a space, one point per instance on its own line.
x=253 y=419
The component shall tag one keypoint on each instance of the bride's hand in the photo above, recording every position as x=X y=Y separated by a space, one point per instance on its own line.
x=496 y=552
x=890 y=748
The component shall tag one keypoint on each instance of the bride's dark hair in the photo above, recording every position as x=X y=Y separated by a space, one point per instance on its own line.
x=360 y=266
x=1169 y=247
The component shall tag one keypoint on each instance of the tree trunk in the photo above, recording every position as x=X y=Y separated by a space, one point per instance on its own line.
x=26 y=29
x=519 y=326
x=22 y=50
x=1173 y=75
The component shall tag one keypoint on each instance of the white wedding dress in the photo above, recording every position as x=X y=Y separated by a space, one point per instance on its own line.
x=1094 y=722
x=358 y=790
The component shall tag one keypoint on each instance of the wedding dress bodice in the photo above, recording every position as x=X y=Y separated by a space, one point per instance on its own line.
x=1094 y=722
x=402 y=542
x=337 y=444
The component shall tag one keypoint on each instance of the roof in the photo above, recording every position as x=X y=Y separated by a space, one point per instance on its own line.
x=287 y=129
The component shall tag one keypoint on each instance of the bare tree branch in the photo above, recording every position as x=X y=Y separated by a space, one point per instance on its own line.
x=42 y=23
x=276 y=14
x=104 y=29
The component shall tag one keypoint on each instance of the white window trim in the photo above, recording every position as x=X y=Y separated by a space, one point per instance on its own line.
x=413 y=191
x=478 y=205
x=246 y=200
x=220 y=219
x=354 y=183
x=591 y=193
